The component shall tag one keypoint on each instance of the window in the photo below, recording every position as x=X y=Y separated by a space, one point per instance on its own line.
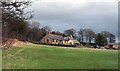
x=65 y=41
x=47 y=40
x=56 y=41
x=53 y=40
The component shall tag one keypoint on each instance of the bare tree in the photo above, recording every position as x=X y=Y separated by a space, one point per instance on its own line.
x=112 y=38
x=12 y=12
x=105 y=33
x=81 y=35
x=70 y=32
x=35 y=24
x=16 y=10
x=47 y=28
x=89 y=34
x=86 y=34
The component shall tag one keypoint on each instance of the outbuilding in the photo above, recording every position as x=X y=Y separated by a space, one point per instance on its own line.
x=113 y=45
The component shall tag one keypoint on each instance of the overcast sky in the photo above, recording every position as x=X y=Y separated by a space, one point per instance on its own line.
x=66 y=14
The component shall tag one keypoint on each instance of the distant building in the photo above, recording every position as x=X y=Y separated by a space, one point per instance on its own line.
x=58 y=39
x=114 y=45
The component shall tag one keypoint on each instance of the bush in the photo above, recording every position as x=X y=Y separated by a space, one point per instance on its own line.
x=52 y=44
x=83 y=43
x=36 y=42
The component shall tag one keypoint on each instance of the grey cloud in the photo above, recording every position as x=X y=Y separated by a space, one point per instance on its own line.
x=97 y=16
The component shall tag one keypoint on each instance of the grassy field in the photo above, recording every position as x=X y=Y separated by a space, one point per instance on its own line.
x=45 y=57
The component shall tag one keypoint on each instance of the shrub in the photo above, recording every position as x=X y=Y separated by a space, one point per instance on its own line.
x=83 y=43
x=52 y=44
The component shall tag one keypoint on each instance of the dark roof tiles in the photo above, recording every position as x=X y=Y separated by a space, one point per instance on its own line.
x=55 y=37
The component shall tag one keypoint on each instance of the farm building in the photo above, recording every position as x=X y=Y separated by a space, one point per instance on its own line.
x=114 y=45
x=58 y=39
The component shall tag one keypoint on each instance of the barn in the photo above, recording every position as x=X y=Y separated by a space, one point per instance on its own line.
x=114 y=45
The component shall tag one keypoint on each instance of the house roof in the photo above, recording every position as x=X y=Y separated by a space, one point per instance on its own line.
x=68 y=38
x=113 y=43
x=55 y=37
x=76 y=41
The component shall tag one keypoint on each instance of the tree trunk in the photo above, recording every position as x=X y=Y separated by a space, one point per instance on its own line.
x=82 y=38
x=87 y=41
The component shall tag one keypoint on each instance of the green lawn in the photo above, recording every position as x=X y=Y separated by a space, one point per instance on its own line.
x=45 y=57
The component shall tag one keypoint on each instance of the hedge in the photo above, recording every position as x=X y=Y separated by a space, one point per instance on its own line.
x=53 y=44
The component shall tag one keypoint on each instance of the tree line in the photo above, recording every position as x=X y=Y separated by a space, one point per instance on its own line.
x=88 y=36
